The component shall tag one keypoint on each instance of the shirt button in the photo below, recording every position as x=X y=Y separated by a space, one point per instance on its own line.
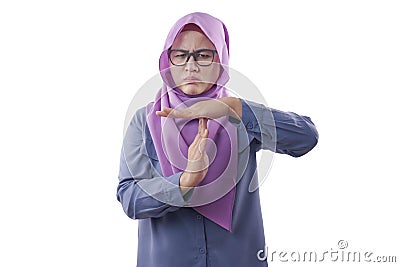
x=249 y=125
x=202 y=250
x=198 y=217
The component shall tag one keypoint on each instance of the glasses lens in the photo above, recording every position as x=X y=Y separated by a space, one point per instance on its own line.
x=178 y=57
x=204 y=57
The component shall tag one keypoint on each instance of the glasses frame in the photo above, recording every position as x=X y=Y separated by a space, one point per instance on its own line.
x=189 y=54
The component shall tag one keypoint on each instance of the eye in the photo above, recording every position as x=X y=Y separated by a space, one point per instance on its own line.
x=178 y=55
x=203 y=55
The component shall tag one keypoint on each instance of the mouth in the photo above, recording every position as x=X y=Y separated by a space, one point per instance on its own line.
x=191 y=79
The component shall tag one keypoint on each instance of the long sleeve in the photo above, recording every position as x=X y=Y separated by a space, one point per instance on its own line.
x=278 y=131
x=142 y=192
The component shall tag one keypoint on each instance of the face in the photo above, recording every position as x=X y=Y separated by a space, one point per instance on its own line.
x=191 y=78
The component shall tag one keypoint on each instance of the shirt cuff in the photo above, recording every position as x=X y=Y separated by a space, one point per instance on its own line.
x=175 y=194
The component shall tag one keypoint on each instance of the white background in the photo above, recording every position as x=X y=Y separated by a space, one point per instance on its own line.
x=69 y=69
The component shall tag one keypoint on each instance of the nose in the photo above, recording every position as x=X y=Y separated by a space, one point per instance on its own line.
x=191 y=65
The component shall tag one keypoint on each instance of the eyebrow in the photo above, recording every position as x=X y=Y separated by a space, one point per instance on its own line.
x=193 y=50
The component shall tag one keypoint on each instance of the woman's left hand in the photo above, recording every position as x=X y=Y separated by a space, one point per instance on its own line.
x=211 y=109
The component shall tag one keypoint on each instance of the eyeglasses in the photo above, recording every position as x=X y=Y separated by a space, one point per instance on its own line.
x=203 y=57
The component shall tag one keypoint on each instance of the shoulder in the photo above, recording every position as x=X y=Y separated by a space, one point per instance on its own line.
x=139 y=117
x=136 y=125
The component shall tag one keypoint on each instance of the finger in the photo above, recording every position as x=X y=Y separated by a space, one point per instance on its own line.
x=164 y=112
x=203 y=127
x=201 y=134
x=196 y=140
x=202 y=145
x=204 y=135
x=200 y=126
x=204 y=130
x=161 y=113
x=168 y=112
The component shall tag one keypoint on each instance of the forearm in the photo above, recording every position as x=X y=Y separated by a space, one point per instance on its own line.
x=142 y=190
x=235 y=106
x=279 y=131
x=152 y=197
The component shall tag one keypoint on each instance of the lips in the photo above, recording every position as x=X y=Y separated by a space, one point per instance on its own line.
x=191 y=79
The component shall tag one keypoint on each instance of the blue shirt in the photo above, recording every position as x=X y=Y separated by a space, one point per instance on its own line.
x=178 y=236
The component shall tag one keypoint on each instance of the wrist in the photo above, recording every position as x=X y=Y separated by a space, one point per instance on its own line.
x=186 y=182
x=235 y=107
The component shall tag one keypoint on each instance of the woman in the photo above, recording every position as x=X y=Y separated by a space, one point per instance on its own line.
x=182 y=171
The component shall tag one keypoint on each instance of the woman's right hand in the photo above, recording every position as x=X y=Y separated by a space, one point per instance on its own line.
x=211 y=109
x=198 y=161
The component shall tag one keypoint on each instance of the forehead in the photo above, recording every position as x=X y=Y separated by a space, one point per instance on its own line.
x=192 y=40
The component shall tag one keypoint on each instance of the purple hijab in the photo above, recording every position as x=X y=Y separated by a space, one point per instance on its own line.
x=214 y=197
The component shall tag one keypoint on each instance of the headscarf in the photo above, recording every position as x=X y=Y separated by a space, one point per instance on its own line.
x=214 y=197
